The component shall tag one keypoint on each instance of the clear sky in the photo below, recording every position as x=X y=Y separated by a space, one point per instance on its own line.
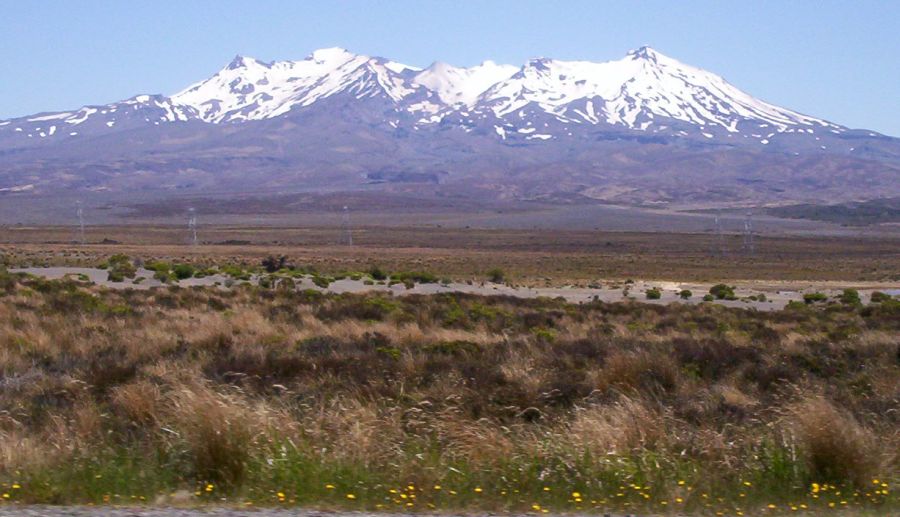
x=836 y=60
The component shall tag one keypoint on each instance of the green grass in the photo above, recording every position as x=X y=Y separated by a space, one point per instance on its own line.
x=289 y=475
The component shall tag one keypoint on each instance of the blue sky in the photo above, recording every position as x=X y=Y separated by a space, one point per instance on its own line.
x=836 y=60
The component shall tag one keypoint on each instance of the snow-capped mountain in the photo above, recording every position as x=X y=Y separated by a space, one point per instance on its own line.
x=634 y=92
x=248 y=89
x=644 y=91
x=378 y=120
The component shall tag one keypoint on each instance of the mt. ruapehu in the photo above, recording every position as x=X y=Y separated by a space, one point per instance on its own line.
x=645 y=129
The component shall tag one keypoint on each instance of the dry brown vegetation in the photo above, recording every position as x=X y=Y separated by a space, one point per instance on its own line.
x=532 y=257
x=297 y=397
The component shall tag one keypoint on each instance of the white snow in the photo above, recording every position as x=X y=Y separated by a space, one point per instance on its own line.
x=455 y=85
x=645 y=81
x=18 y=188
x=82 y=115
x=249 y=89
x=640 y=91
x=54 y=116
x=396 y=67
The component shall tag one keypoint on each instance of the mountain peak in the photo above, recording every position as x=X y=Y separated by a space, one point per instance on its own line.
x=645 y=91
x=330 y=54
x=645 y=52
x=539 y=63
x=240 y=61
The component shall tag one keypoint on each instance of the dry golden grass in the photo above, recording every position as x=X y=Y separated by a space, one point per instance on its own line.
x=256 y=392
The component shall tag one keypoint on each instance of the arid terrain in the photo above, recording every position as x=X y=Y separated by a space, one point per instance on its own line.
x=528 y=257
x=282 y=391
x=270 y=396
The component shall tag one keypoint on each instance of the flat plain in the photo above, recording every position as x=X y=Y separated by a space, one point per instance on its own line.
x=529 y=257
x=269 y=395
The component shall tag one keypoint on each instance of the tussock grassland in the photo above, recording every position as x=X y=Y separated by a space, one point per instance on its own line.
x=273 y=397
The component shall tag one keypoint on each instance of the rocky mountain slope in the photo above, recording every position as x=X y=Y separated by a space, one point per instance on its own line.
x=642 y=129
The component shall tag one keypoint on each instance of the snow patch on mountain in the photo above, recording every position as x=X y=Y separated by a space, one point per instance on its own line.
x=249 y=89
x=462 y=86
x=643 y=85
x=644 y=91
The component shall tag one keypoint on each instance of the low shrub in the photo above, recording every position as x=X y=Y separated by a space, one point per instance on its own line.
x=810 y=298
x=722 y=292
x=880 y=297
x=183 y=271
x=496 y=276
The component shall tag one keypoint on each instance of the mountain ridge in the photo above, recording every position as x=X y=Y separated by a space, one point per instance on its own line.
x=342 y=120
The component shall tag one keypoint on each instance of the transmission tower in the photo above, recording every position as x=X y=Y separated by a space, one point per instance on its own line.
x=346 y=233
x=749 y=246
x=192 y=226
x=79 y=212
x=719 y=245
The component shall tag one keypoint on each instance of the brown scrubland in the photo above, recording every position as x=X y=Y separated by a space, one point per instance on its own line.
x=258 y=396
x=529 y=257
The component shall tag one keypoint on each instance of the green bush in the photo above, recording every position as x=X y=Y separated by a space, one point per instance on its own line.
x=235 y=272
x=120 y=268
x=377 y=273
x=409 y=277
x=850 y=297
x=685 y=294
x=496 y=275
x=321 y=281
x=183 y=271
x=708 y=297
x=809 y=298
x=654 y=293
x=722 y=292
x=879 y=297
